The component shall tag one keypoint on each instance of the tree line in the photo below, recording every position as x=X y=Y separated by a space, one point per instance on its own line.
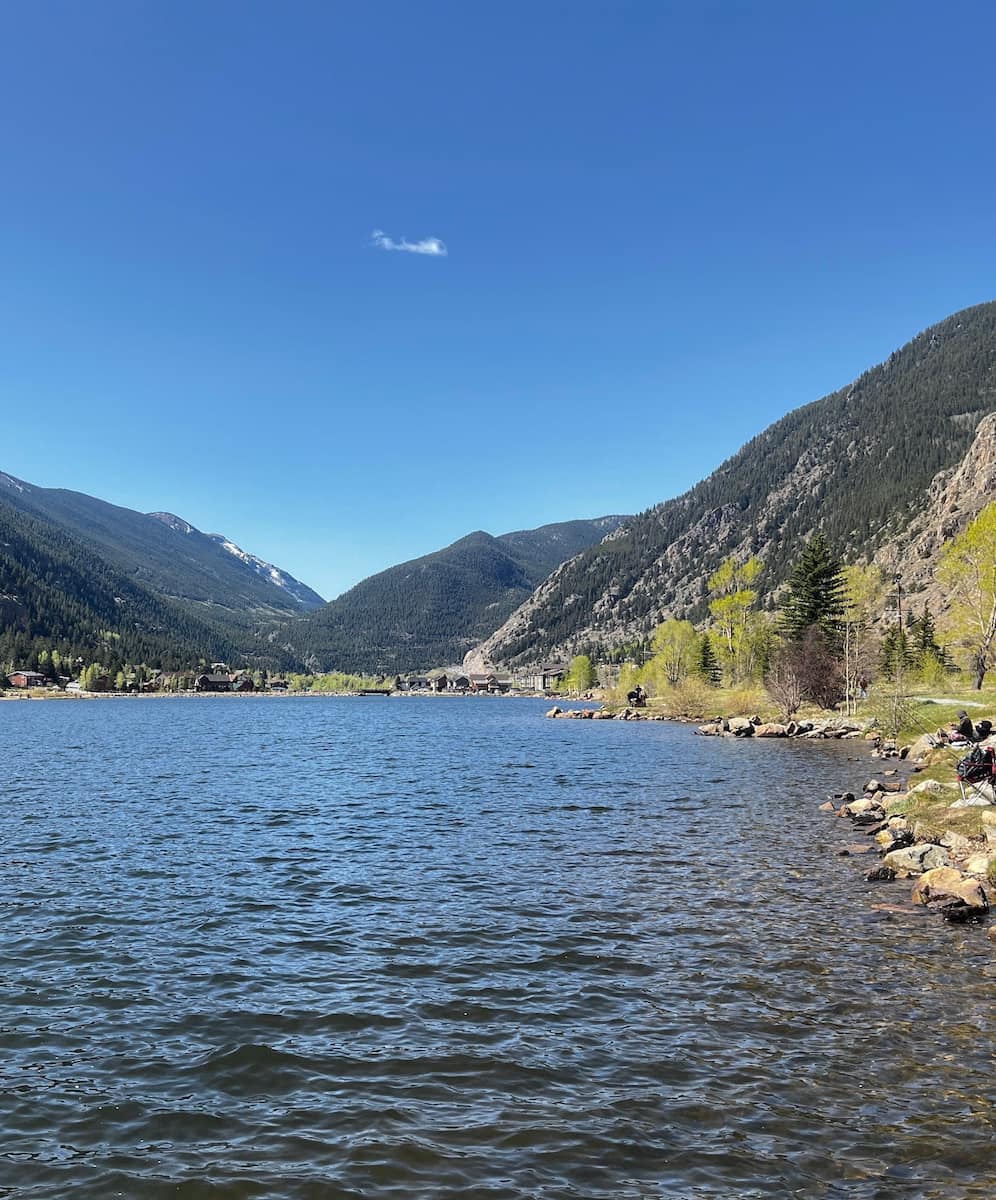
x=834 y=630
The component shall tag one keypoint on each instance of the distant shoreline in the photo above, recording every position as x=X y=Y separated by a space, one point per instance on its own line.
x=266 y=695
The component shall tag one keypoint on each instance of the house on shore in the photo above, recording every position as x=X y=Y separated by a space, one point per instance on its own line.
x=544 y=678
x=27 y=679
x=213 y=683
x=490 y=682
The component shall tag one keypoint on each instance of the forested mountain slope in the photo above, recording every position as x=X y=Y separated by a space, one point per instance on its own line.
x=77 y=570
x=57 y=593
x=164 y=552
x=432 y=610
x=856 y=464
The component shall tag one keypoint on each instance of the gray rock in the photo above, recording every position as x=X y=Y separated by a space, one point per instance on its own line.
x=956 y=842
x=914 y=860
x=922 y=746
x=933 y=786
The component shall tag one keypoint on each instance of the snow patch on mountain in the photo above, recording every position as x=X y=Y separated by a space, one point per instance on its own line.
x=297 y=591
x=11 y=482
x=293 y=587
x=174 y=522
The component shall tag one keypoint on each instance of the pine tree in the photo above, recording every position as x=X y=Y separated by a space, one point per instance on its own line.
x=924 y=633
x=706 y=666
x=817 y=593
x=895 y=655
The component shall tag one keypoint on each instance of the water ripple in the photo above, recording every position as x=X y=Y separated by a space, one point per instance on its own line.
x=438 y=949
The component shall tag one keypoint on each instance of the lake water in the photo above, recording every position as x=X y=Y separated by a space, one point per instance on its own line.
x=311 y=948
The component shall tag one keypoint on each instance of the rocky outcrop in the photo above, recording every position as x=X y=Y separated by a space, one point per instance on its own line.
x=954 y=499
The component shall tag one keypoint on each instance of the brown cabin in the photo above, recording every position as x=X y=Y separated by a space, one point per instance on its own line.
x=213 y=683
x=26 y=679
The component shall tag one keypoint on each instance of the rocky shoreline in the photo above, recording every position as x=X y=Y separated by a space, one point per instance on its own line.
x=950 y=870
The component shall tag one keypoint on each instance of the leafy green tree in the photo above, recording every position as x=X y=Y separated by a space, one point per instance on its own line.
x=865 y=591
x=967 y=570
x=732 y=609
x=817 y=594
x=580 y=675
x=674 y=644
x=629 y=677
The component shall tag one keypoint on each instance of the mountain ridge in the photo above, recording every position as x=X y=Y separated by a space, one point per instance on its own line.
x=429 y=611
x=172 y=556
x=858 y=464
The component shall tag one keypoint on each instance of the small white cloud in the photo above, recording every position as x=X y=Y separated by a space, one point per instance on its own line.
x=430 y=245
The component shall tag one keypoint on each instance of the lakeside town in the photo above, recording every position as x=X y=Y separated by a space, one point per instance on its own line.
x=220 y=679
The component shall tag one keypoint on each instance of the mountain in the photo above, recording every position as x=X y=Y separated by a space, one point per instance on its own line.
x=55 y=592
x=173 y=575
x=432 y=610
x=159 y=550
x=861 y=465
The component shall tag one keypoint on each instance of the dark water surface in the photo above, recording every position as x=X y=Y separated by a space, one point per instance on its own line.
x=440 y=948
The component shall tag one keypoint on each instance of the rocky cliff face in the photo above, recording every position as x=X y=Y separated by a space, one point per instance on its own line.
x=955 y=498
x=887 y=467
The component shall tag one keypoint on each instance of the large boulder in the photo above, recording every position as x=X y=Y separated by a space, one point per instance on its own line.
x=958 y=897
x=741 y=727
x=915 y=860
x=856 y=807
x=771 y=729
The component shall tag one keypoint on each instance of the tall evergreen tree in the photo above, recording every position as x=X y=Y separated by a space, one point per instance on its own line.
x=817 y=593
x=925 y=636
x=706 y=666
x=895 y=654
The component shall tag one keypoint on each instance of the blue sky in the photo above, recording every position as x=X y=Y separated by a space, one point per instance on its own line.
x=665 y=226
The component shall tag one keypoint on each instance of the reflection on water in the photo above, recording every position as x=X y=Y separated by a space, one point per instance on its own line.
x=420 y=948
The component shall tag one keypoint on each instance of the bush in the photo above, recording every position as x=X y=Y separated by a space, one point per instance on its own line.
x=691 y=698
